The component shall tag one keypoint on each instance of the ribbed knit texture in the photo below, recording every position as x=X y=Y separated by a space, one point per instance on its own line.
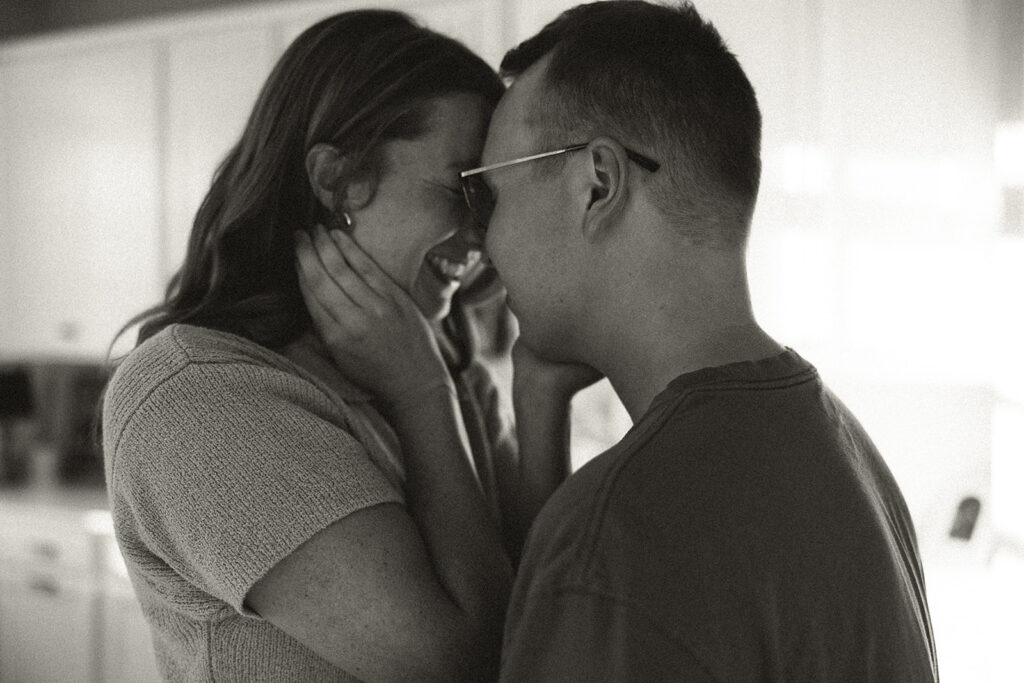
x=221 y=459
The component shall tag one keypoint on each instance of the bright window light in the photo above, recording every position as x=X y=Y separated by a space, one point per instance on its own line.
x=1009 y=153
x=1008 y=471
x=938 y=183
x=803 y=169
x=99 y=523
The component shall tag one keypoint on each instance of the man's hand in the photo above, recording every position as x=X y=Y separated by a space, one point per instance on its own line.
x=538 y=376
x=541 y=394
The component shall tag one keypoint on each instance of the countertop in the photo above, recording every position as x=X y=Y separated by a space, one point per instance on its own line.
x=86 y=507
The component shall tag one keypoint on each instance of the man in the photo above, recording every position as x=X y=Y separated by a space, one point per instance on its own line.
x=746 y=528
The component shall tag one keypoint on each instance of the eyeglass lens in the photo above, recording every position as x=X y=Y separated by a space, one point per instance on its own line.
x=480 y=200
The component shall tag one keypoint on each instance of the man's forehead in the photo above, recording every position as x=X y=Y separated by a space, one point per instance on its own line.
x=518 y=117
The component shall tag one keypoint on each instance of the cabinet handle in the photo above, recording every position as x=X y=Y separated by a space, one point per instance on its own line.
x=44 y=585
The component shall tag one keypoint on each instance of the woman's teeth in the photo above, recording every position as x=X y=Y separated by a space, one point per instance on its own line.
x=453 y=270
x=450 y=270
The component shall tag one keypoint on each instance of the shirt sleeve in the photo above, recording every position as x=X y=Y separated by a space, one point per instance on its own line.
x=228 y=468
x=575 y=634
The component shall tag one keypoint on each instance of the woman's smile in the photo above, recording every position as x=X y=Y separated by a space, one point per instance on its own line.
x=452 y=269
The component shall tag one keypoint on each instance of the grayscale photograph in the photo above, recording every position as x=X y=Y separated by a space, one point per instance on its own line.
x=518 y=341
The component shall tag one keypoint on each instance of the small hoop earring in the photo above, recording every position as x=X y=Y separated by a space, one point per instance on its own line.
x=336 y=221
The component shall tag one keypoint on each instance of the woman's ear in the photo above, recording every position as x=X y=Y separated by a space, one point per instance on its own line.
x=335 y=184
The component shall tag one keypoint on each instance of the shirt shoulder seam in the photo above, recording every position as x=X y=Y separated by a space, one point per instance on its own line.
x=189 y=361
x=144 y=399
x=580 y=588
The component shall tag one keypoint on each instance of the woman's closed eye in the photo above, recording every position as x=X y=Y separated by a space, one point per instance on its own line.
x=452 y=188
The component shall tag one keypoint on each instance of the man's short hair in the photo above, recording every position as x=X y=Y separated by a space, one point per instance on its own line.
x=660 y=80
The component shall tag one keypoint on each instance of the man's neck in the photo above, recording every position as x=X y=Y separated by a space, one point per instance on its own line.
x=654 y=361
x=663 y=306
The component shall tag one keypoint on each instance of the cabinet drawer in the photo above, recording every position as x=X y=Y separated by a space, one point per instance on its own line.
x=52 y=584
x=46 y=625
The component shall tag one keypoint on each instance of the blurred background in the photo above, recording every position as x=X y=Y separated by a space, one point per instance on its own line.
x=888 y=249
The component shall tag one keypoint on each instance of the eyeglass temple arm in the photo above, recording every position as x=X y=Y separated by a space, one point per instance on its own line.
x=520 y=160
x=639 y=159
x=643 y=162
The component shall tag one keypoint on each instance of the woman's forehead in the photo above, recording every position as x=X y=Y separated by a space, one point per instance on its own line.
x=454 y=136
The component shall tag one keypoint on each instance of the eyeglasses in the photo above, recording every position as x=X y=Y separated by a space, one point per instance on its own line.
x=480 y=199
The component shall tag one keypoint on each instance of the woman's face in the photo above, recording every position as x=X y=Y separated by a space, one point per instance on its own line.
x=417 y=226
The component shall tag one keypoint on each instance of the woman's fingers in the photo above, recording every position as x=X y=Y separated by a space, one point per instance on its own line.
x=364 y=266
x=317 y=284
x=339 y=268
x=323 y=317
x=380 y=340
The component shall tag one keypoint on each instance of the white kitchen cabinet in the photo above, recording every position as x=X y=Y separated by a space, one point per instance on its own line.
x=126 y=643
x=79 y=132
x=125 y=639
x=48 y=591
x=45 y=626
x=214 y=75
x=8 y=282
x=477 y=23
x=67 y=610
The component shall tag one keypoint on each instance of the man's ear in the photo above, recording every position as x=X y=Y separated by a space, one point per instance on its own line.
x=335 y=183
x=606 y=181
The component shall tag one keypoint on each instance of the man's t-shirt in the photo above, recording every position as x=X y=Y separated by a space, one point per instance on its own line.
x=745 y=529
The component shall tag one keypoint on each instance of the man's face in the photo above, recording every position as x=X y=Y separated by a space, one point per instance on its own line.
x=529 y=239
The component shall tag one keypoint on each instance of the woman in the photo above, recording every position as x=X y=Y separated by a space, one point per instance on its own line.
x=339 y=502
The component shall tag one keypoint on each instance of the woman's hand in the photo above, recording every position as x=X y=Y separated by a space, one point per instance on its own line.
x=374 y=330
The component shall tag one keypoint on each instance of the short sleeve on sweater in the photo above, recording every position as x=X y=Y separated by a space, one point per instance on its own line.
x=228 y=467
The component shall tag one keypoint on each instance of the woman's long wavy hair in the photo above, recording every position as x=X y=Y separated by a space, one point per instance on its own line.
x=355 y=80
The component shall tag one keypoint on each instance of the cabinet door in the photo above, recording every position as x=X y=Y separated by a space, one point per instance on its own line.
x=78 y=127
x=477 y=23
x=7 y=281
x=46 y=626
x=213 y=79
x=127 y=645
